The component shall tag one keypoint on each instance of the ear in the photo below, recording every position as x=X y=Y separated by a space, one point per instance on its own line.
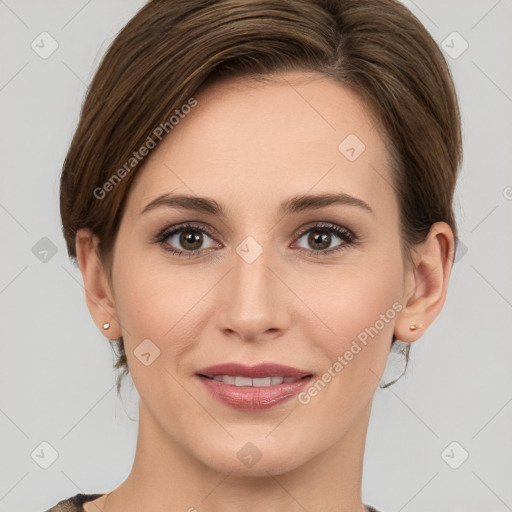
x=98 y=293
x=426 y=282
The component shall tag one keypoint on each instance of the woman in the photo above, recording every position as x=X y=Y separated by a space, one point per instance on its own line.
x=259 y=199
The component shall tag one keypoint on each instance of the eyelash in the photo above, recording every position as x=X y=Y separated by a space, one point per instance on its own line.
x=347 y=236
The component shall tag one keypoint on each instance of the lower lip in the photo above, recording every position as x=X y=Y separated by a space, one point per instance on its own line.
x=251 y=398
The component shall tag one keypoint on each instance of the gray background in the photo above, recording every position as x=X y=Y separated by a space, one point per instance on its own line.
x=57 y=383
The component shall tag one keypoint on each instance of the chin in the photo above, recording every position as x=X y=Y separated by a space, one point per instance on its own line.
x=253 y=456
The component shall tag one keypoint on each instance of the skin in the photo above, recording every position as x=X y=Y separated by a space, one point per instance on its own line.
x=250 y=146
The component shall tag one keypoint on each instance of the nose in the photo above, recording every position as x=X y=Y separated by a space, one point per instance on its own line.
x=253 y=299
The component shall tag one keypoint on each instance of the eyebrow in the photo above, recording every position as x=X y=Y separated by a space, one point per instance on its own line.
x=295 y=204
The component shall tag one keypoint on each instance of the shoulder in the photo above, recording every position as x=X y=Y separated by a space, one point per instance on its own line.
x=369 y=508
x=73 y=504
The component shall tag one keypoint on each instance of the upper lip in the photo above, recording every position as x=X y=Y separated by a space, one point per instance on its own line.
x=260 y=370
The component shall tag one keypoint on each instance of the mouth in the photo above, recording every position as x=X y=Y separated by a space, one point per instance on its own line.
x=259 y=382
x=260 y=371
x=253 y=387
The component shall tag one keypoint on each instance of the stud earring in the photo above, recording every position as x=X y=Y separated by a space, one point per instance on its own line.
x=414 y=327
x=106 y=326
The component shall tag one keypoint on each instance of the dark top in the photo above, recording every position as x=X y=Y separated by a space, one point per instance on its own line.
x=74 y=504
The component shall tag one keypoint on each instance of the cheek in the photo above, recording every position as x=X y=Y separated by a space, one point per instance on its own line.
x=164 y=303
x=151 y=306
x=351 y=298
x=151 y=300
x=358 y=305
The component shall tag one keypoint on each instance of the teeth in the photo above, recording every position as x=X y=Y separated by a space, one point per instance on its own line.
x=243 y=381
x=257 y=382
x=263 y=381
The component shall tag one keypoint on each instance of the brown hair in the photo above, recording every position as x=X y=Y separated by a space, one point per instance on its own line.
x=171 y=49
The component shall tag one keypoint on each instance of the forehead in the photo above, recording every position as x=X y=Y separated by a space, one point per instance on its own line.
x=248 y=141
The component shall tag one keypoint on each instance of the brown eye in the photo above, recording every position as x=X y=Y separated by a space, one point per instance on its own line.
x=190 y=240
x=319 y=238
x=185 y=240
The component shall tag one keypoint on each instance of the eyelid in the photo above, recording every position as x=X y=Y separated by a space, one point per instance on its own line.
x=322 y=224
x=187 y=225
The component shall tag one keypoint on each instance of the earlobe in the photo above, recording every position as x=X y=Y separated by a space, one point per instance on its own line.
x=98 y=294
x=426 y=283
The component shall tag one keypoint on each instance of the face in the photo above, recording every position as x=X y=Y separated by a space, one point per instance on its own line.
x=276 y=278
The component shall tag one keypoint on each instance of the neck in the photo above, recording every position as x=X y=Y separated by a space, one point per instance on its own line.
x=165 y=477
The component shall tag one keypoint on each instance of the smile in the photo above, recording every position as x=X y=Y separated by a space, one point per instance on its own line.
x=257 y=382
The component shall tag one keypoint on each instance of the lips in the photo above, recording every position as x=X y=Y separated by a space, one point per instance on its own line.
x=253 y=387
x=253 y=372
